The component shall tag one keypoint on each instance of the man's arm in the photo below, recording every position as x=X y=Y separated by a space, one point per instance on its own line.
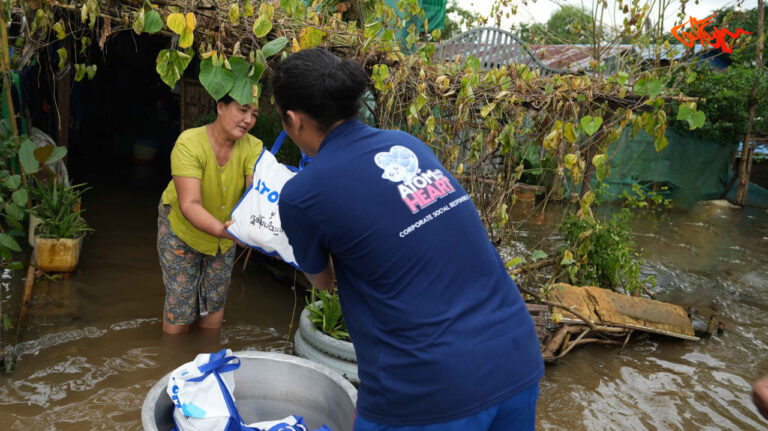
x=323 y=279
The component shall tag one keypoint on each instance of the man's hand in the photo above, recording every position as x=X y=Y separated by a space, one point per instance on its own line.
x=760 y=395
x=324 y=279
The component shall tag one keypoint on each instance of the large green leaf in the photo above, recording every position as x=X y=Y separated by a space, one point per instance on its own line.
x=57 y=154
x=242 y=88
x=256 y=71
x=12 y=181
x=9 y=242
x=569 y=132
x=15 y=212
x=91 y=71
x=262 y=26
x=138 y=23
x=696 y=120
x=27 y=157
x=259 y=64
x=186 y=39
x=648 y=87
x=176 y=22
x=273 y=47
x=570 y=160
x=684 y=112
x=239 y=67
x=537 y=255
x=171 y=65
x=60 y=30
x=20 y=197
x=310 y=37
x=601 y=172
x=79 y=72
x=63 y=57
x=590 y=124
x=217 y=80
x=153 y=22
x=599 y=160
x=234 y=14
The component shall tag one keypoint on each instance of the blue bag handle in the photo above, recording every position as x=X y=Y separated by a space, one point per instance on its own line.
x=279 y=143
x=218 y=362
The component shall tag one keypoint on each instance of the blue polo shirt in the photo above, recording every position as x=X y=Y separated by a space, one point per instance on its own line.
x=439 y=327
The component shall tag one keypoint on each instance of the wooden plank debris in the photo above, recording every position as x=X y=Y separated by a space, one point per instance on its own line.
x=614 y=309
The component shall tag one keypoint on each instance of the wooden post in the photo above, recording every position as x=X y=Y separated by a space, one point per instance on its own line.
x=746 y=150
x=29 y=283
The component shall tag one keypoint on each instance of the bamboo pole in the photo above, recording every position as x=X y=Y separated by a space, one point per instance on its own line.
x=746 y=150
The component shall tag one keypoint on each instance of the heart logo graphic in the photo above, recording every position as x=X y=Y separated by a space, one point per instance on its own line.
x=399 y=164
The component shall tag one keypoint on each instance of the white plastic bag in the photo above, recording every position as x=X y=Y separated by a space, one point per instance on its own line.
x=202 y=393
x=256 y=217
x=291 y=423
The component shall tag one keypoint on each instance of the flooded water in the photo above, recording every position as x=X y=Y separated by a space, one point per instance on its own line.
x=93 y=345
x=713 y=259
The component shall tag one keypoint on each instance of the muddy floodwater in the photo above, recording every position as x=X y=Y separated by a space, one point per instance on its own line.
x=92 y=347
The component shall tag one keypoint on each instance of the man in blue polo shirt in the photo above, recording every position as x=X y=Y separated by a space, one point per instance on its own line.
x=442 y=335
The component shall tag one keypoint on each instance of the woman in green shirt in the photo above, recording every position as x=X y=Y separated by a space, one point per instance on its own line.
x=211 y=168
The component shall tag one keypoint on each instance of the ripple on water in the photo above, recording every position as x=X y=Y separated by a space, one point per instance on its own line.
x=33 y=347
x=74 y=374
x=107 y=409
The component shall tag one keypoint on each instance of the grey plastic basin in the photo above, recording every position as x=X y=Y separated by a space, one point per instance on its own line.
x=270 y=386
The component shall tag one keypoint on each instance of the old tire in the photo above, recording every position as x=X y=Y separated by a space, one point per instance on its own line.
x=323 y=342
x=345 y=368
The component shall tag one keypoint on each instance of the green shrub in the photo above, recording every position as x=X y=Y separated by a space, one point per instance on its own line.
x=602 y=253
x=57 y=207
x=327 y=315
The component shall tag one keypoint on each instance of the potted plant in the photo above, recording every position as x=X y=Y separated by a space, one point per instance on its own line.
x=322 y=336
x=60 y=232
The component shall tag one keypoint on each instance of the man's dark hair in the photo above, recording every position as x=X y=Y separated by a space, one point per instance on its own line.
x=319 y=84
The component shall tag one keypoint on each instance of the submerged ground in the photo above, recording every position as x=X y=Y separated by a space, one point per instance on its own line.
x=92 y=348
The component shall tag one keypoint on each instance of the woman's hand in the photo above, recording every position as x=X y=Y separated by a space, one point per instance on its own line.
x=226 y=235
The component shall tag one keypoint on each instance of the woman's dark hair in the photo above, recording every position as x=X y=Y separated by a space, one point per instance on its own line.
x=320 y=84
x=226 y=99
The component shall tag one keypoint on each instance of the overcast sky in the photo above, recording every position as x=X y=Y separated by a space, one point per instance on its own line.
x=540 y=10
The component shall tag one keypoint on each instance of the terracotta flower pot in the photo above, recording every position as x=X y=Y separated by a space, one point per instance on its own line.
x=58 y=254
